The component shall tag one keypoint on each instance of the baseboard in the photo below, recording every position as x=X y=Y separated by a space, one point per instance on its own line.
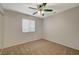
x=42 y=39
x=21 y=43
x=61 y=44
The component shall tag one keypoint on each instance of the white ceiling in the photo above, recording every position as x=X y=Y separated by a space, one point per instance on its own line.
x=23 y=8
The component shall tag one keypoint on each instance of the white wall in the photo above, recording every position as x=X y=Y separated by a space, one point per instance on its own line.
x=0 y=30
x=1 y=26
x=63 y=28
x=13 y=34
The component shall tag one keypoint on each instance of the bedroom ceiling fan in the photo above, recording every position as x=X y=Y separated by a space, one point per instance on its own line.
x=41 y=8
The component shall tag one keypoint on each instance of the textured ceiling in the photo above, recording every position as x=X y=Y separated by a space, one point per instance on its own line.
x=23 y=8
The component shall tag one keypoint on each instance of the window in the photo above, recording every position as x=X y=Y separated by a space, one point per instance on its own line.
x=28 y=25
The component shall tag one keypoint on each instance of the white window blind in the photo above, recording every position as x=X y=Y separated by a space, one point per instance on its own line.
x=28 y=25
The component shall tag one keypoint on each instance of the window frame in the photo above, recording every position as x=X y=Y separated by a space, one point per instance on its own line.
x=28 y=31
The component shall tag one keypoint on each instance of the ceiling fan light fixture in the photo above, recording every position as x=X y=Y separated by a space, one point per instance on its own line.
x=40 y=12
x=41 y=9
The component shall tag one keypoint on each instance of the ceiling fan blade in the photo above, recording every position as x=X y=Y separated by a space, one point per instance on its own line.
x=44 y=4
x=49 y=10
x=33 y=8
x=35 y=13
